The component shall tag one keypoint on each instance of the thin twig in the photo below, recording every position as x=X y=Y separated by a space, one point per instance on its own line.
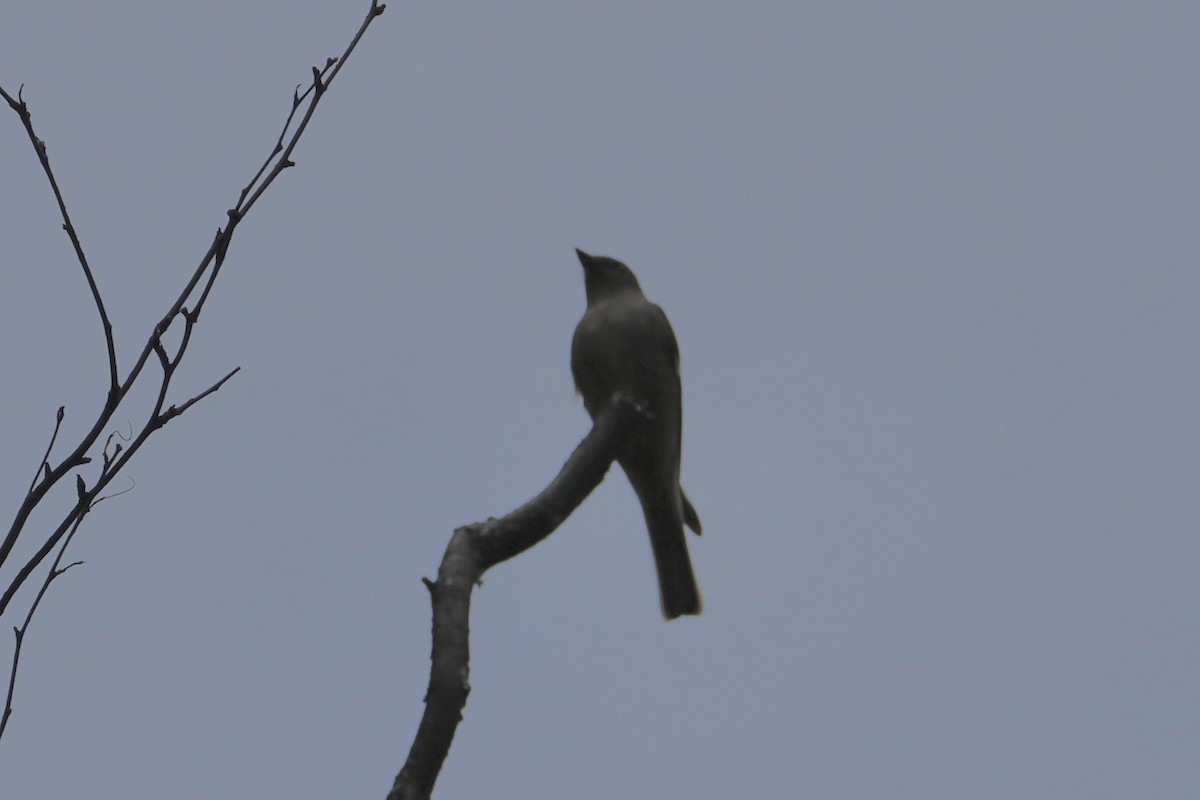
x=18 y=104
x=44 y=467
x=175 y=411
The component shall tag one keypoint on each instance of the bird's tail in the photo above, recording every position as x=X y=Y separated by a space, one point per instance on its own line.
x=677 y=589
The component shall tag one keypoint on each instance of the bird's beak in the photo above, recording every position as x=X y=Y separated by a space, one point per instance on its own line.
x=584 y=258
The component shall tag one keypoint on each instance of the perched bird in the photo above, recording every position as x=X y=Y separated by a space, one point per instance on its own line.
x=624 y=345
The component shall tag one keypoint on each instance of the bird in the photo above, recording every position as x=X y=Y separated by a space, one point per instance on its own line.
x=624 y=346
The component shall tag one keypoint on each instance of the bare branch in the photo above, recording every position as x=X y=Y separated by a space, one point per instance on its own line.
x=321 y=81
x=19 y=632
x=39 y=146
x=472 y=550
x=115 y=458
x=213 y=258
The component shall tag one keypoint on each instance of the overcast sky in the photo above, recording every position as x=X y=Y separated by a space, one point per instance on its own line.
x=933 y=271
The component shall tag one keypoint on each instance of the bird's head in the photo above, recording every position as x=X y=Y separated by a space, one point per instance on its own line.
x=605 y=277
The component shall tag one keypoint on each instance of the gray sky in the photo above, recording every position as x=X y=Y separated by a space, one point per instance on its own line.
x=933 y=272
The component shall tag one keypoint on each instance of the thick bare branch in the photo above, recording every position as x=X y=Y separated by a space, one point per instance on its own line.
x=472 y=550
